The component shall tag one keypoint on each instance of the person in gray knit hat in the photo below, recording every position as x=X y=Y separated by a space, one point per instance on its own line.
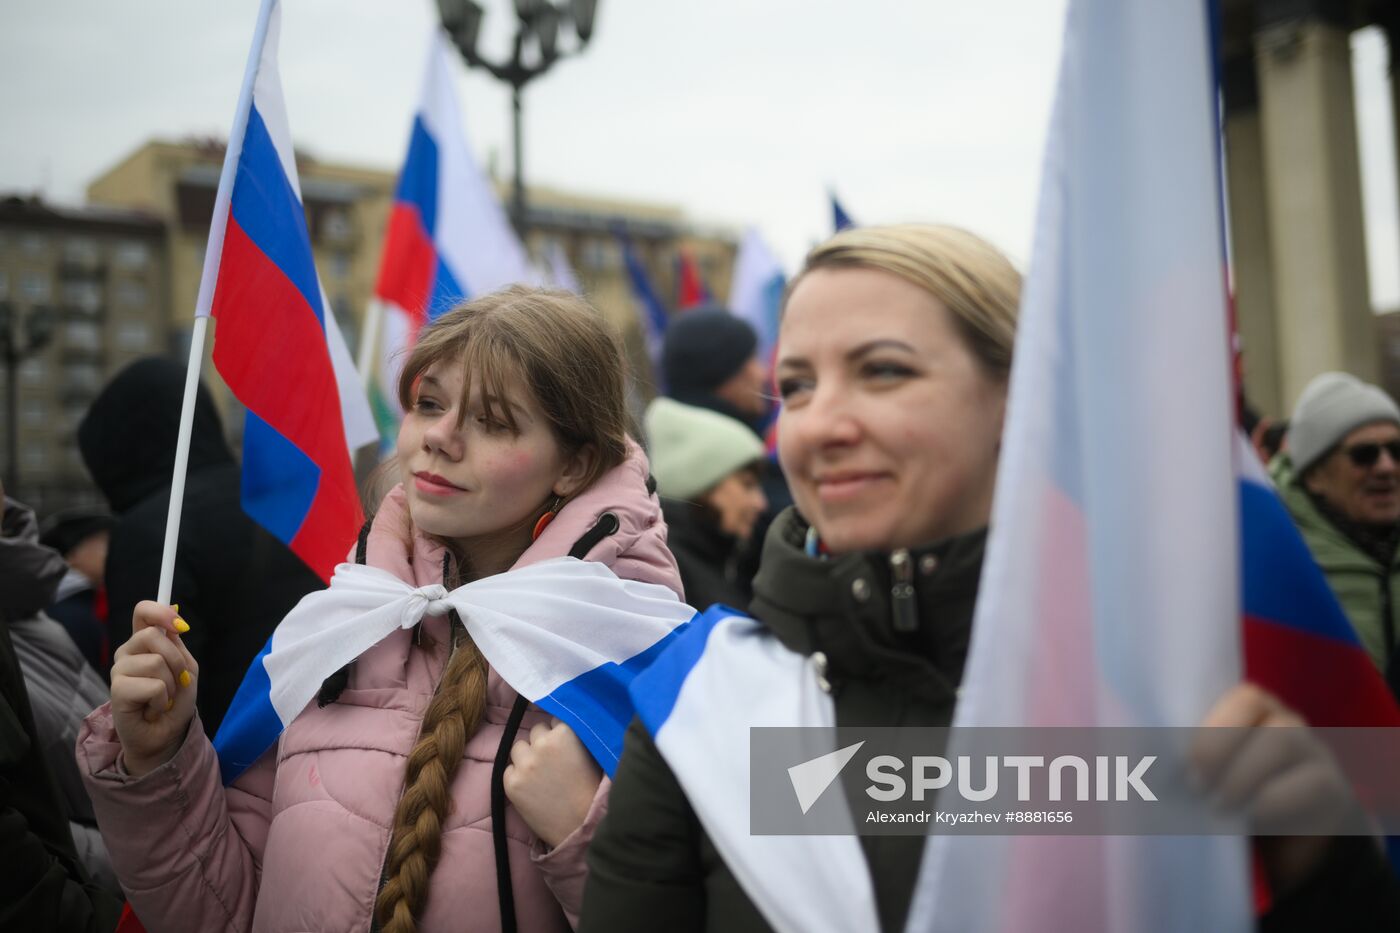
x=1340 y=477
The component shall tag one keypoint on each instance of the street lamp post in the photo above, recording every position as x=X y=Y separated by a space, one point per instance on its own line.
x=38 y=328
x=538 y=24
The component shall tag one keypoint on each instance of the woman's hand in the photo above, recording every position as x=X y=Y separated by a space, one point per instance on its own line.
x=551 y=780
x=1283 y=778
x=153 y=688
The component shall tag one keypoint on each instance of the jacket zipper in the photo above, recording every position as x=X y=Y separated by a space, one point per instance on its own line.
x=906 y=612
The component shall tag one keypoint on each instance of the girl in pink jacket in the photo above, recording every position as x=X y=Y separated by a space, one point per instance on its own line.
x=383 y=805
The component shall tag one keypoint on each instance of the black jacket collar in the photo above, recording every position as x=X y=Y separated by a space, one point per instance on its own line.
x=846 y=608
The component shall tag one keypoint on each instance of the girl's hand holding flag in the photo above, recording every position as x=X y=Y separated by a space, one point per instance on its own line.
x=552 y=780
x=153 y=688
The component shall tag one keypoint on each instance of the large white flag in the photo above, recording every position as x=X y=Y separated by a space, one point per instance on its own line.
x=1110 y=594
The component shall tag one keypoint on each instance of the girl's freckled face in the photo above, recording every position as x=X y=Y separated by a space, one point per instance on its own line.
x=469 y=475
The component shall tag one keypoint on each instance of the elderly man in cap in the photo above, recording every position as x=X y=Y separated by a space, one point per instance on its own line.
x=1340 y=476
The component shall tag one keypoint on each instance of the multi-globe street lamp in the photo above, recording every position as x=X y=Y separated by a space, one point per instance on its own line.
x=536 y=48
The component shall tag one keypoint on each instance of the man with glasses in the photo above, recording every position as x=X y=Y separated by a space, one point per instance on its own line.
x=1340 y=476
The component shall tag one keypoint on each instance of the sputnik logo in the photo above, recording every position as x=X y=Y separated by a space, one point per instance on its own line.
x=810 y=779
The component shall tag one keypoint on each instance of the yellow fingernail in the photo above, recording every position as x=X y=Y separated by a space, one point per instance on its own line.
x=176 y=607
x=184 y=678
x=169 y=705
x=181 y=625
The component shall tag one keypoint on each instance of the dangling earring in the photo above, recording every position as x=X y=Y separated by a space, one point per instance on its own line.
x=546 y=518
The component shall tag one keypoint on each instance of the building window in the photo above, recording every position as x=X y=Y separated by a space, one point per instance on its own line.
x=32 y=411
x=73 y=412
x=74 y=457
x=132 y=254
x=83 y=296
x=345 y=318
x=82 y=377
x=32 y=371
x=134 y=335
x=32 y=244
x=131 y=294
x=35 y=286
x=35 y=457
x=82 y=251
x=600 y=254
x=82 y=335
x=337 y=225
x=340 y=264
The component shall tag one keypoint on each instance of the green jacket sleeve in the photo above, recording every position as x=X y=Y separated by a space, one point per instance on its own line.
x=644 y=866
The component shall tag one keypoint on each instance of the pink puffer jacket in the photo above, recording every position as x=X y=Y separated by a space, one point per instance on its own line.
x=298 y=842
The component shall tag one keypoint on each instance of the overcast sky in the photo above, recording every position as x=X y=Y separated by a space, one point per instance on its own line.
x=741 y=111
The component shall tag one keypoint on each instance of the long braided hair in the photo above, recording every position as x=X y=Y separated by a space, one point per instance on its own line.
x=560 y=348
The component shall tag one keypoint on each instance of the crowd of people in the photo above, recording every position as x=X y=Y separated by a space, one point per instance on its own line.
x=419 y=790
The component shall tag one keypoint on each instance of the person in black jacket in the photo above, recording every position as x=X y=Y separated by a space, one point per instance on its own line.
x=894 y=359
x=62 y=686
x=44 y=885
x=233 y=580
x=707 y=468
x=80 y=602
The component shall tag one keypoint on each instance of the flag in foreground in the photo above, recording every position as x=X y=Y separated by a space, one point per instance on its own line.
x=276 y=343
x=1138 y=546
x=1110 y=594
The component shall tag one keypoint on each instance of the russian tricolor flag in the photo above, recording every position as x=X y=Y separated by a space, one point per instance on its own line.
x=1139 y=563
x=277 y=345
x=448 y=238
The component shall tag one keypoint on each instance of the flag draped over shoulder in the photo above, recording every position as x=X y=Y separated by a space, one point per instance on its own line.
x=276 y=343
x=568 y=635
x=723 y=676
x=448 y=238
x=1110 y=593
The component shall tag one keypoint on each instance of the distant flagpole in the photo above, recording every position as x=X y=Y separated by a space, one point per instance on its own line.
x=212 y=255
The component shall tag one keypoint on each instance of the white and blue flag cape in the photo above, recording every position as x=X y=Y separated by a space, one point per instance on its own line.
x=724 y=675
x=566 y=634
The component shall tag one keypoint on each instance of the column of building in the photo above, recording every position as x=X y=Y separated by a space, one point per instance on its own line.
x=1304 y=222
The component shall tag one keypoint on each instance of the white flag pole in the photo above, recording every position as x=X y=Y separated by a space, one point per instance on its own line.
x=204 y=302
x=369 y=339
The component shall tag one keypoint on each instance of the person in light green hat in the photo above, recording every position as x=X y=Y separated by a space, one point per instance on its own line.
x=707 y=468
x=1340 y=478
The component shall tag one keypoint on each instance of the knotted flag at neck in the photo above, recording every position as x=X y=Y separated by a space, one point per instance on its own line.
x=566 y=634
